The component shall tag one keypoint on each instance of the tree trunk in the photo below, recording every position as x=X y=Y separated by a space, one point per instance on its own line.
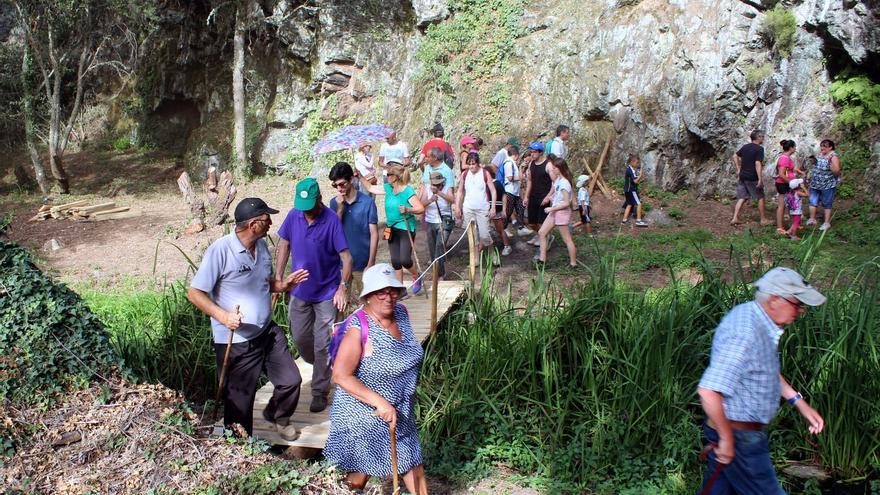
x=27 y=67
x=242 y=170
x=55 y=163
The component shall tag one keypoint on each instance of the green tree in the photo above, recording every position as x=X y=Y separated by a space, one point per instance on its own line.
x=70 y=41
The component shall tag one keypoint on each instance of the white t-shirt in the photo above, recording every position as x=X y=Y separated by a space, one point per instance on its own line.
x=364 y=164
x=557 y=147
x=475 y=190
x=559 y=186
x=583 y=197
x=512 y=177
x=431 y=214
x=397 y=151
x=499 y=157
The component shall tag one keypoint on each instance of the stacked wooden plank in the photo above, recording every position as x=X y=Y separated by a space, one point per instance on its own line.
x=81 y=210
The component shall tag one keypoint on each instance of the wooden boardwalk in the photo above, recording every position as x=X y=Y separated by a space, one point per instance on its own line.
x=314 y=427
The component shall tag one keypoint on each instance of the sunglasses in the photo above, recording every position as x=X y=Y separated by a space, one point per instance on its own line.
x=798 y=305
x=339 y=184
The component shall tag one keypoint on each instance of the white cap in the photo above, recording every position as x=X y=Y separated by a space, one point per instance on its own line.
x=378 y=277
x=795 y=183
x=783 y=282
x=581 y=180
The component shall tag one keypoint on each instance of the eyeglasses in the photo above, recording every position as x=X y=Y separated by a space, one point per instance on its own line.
x=798 y=305
x=343 y=183
x=387 y=292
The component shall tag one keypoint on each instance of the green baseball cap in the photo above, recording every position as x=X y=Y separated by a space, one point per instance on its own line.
x=307 y=193
x=513 y=142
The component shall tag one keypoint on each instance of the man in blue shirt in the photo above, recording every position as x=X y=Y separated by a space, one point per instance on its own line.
x=232 y=286
x=359 y=217
x=740 y=389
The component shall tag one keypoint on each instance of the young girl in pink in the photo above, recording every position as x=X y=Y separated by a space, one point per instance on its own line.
x=786 y=170
x=794 y=203
x=559 y=211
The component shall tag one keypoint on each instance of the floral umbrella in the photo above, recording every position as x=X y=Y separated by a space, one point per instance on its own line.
x=351 y=136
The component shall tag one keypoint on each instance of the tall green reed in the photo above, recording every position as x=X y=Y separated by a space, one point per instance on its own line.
x=596 y=383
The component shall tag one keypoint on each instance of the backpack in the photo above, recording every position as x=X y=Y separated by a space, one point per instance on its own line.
x=501 y=175
x=487 y=179
x=339 y=333
x=775 y=173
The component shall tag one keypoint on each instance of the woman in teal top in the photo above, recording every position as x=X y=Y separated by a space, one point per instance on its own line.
x=401 y=207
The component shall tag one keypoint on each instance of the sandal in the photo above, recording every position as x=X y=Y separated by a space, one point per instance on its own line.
x=780 y=230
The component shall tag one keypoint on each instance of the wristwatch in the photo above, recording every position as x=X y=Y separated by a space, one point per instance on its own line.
x=796 y=398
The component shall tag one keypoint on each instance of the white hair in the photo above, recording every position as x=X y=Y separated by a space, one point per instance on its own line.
x=762 y=297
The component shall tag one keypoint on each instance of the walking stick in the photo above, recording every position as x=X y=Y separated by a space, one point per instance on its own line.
x=704 y=455
x=395 y=482
x=223 y=370
x=415 y=254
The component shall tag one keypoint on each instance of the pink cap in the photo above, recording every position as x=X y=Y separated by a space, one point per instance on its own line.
x=467 y=140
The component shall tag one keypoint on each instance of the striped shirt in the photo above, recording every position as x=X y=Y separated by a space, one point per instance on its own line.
x=744 y=365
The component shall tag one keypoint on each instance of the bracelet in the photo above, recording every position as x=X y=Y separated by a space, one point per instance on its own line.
x=796 y=398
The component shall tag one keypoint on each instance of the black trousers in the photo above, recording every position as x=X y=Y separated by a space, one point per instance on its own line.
x=246 y=362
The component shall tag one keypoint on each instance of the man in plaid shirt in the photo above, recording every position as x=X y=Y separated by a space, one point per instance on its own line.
x=740 y=389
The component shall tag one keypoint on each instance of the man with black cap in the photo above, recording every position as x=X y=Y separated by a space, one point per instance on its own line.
x=314 y=237
x=740 y=389
x=233 y=285
x=447 y=155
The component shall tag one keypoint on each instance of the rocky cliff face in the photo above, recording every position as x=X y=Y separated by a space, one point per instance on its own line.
x=679 y=82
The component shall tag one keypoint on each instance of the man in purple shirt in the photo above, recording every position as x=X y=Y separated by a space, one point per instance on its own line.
x=313 y=236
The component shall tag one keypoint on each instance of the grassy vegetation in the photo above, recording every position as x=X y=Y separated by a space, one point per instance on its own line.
x=780 y=28
x=591 y=388
x=857 y=99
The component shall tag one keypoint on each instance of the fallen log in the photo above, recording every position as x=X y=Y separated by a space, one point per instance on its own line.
x=88 y=210
x=68 y=206
x=107 y=212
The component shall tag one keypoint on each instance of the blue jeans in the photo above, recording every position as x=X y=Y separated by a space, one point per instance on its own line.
x=825 y=196
x=750 y=473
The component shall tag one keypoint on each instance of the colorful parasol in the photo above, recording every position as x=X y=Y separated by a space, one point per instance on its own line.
x=351 y=136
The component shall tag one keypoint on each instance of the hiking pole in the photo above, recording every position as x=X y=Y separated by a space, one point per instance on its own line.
x=412 y=244
x=223 y=369
x=395 y=482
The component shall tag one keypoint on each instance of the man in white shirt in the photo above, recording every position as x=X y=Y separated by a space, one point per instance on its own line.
x=557 y=145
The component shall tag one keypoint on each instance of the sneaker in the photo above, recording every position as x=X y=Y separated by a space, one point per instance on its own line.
x=825 y=226
x=510 y=232
x=795 y=238
x=416 y=287
x=287 y=432
x=506 y=251
x=534 y=241
x=624 y=222
x=496 y=261
x=641 y=223
x=319 y=403
x=811 y=221
x=524 y=231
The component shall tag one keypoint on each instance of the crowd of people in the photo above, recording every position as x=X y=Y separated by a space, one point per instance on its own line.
x=373 y=356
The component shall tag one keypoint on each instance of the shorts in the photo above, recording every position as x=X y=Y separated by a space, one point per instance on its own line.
x=632 y=198
x=561 y=217
x=782 y=187
x=585 y=214
x=824 y=196
x=748 y=189
x=535 y=213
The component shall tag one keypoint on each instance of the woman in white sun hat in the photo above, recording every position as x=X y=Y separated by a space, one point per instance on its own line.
x=376 y=376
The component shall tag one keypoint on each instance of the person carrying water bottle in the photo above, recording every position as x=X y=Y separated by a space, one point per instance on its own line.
x=376 y=369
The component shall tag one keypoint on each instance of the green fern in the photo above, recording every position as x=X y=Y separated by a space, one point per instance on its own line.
x=858 y=101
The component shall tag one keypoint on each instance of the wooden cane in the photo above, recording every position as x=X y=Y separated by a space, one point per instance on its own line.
x=412 y=244
x=223 y=369
x=395 y=482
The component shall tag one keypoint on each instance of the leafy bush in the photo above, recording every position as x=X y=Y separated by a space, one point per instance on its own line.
x=676 y=213
x=780 y=28
x=858 y=101
x=846 y=191
x=758 y=73
x=122 y=143
x=49 y=340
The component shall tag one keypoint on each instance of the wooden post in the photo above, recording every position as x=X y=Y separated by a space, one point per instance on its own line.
x=472 y=248
x=435 y=279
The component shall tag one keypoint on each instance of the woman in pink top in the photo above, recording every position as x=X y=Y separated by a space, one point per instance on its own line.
x=785 y=171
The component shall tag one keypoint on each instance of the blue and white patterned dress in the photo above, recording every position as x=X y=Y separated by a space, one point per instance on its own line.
x=359 y=441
